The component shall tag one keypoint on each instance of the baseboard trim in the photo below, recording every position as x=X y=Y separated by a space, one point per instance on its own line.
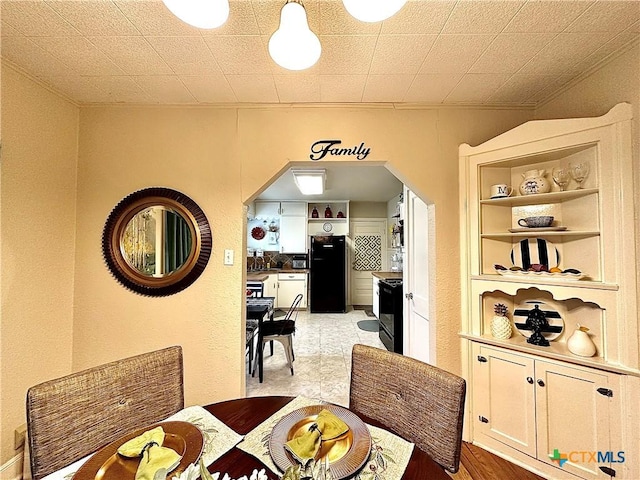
x=12 y=470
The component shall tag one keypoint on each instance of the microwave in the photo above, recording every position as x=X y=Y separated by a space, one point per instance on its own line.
x=299 y=261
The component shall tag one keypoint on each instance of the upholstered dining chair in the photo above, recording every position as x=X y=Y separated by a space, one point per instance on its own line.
x=421 y=403
x=281 y=331
x=70 y=417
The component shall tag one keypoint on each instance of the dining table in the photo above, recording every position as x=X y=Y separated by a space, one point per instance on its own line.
x=245 y=414
x=259 y=308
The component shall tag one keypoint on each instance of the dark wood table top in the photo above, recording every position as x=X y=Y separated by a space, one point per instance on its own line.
x=245 y=414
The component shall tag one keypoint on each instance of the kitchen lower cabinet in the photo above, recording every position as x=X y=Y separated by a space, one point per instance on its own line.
x=289 y=286
x=545 y=409
x=376 y=297
x=270 y=287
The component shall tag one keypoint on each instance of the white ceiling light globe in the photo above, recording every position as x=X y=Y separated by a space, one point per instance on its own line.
x=200 y=13
x=294 y=46
x=373 y=10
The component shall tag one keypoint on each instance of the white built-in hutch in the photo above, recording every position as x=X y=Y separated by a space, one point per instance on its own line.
x=532 y=404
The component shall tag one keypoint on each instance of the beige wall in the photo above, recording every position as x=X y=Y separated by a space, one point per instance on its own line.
x=615 y=82
x=38 y=215
x=367 y=210
x=219 y=157
x=194 y=151
x=223 y=161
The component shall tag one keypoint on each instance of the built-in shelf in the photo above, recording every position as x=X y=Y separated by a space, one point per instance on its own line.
x=533 y=280
x=556 y=351
x=565 y=233
x=540 y=198
x=330 y=219
x=507 y=372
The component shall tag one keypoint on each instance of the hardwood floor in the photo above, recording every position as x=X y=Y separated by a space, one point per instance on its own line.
x=478 y=464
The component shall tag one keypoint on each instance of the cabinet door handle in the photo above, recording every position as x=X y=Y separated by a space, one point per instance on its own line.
x=409 y=295
x=530 y=380
x=540 y=382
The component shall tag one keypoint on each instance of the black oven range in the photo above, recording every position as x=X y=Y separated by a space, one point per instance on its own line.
x=390 y=329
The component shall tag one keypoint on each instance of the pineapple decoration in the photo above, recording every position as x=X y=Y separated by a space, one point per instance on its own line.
x=500 y=323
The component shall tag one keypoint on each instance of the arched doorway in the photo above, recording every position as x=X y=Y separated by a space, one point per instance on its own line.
x=369 y=187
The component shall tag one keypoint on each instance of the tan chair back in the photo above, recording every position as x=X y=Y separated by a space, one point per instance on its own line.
x=73 y=416
x=421 y=403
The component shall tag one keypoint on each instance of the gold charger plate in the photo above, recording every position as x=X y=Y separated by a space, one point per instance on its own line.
x=347 y=453
x=183 y=437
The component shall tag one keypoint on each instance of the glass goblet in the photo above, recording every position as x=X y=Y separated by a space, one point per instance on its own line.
x=579 y=172
x=561 y=177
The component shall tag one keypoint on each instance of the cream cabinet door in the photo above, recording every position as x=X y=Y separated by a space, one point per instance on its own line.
x=573 y=417
x=289 y=286
x=504 y=398
x=267 y=209
x=293 y=234
x=271 y=287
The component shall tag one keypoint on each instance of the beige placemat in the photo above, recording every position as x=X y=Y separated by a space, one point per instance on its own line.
x=388 y=460
x=218 y=437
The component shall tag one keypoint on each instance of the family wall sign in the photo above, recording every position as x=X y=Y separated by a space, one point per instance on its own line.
x=322 y=148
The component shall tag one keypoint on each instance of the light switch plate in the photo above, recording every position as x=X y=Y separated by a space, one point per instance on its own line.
x=228 y=257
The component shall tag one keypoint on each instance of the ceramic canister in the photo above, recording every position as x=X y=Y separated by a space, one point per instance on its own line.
x=580 y=343
x=534 y=181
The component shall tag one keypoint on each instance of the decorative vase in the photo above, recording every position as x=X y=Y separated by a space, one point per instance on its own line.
x=534 y=181
x=500 y=327
x=580 y=343
x=314 y=213
x=327 y=212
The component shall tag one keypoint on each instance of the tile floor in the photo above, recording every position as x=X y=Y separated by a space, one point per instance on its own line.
x=322 y=346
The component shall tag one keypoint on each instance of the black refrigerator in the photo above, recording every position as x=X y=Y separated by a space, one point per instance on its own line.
x=328 y=274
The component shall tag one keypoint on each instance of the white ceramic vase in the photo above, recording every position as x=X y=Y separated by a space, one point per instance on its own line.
x=501 y=327
x=580 y=343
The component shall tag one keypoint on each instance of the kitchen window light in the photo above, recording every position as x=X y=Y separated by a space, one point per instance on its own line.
x=309 y=182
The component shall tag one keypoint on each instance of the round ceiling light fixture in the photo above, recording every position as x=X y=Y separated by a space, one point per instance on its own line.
x=200 y=13
x=294 y=46
x=373 y=10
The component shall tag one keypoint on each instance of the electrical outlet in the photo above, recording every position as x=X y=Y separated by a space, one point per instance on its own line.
x=228 y=257
x=19 y=435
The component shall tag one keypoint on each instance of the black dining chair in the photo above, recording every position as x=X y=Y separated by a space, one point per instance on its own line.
x=252 y=329
x=281 y=331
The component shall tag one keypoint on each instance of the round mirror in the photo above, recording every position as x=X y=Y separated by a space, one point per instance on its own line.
x=156 y=241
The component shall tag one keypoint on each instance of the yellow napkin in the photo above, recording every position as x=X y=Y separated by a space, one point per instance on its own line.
x=156 y=460
x=326 y=427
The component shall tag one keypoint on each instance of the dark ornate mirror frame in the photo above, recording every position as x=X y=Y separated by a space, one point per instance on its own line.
x=177 y=280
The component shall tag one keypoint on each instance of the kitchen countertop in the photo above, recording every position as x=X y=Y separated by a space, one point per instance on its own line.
x=385 y=275
x=261 y=276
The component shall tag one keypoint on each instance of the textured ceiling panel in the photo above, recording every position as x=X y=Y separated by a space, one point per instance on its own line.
x=492 y=52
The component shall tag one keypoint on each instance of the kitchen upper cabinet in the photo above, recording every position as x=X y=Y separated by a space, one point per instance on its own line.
x=293 y=209
x=293 y=227
x=267 y=209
